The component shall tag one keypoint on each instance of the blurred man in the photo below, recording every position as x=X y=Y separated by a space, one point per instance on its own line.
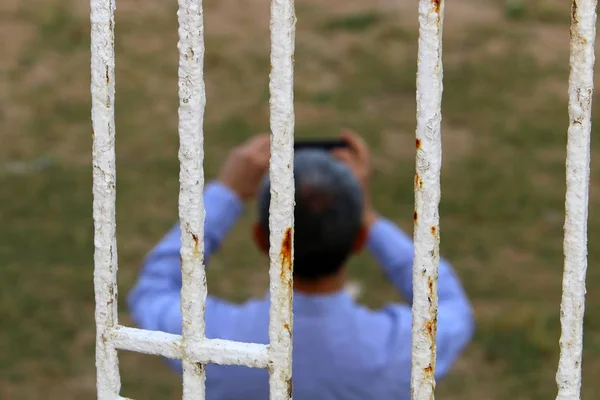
x=342 y=351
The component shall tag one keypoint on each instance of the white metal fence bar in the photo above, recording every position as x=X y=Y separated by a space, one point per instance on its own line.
x=192 y=347
x=104 y=179
x=581 y=86
x=192 y=100
x=213 y=351
x=427 y=198
x=281 y=211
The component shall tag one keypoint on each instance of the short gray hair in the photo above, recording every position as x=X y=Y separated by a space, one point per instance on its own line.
x=328 y=213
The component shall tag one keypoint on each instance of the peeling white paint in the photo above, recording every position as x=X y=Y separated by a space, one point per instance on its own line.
x=427 y=199
x=213 y=351
x=104 y=180
x=581 y=86
x=281 y=219
x=192 y=100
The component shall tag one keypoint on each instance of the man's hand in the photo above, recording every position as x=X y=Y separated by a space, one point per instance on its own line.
x=357 y=157
x=246 y=165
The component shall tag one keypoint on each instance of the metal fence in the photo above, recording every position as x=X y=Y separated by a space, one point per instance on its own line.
x=192 y=347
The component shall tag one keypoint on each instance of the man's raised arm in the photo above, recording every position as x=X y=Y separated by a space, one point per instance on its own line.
x=155 y=302
x=394 y=251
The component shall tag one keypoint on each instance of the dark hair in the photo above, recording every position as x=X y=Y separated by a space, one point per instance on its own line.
x=327 y=215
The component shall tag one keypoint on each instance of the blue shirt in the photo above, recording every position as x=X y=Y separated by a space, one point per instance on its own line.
x=342 y=351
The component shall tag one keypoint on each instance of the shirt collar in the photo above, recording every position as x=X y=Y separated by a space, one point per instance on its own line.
x=319 y=304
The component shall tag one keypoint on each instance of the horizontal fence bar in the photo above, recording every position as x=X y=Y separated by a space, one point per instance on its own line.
x=148 y=342
x=192 y=100
x=208 y=351
x=427 y=199
x=581 y=87
x=281 y=211
x=108 y=381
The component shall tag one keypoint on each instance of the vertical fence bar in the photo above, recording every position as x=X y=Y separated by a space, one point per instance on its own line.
x=192 y=100
x=581 y=86
x=108 y=382
x=427 y=198
x=281 y=218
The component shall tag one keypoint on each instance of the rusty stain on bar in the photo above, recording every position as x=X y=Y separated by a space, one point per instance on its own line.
x=581 y=85
x=192 y=100
x=427 y=198
x=281 y=211
x=102 y=64
x=286 y=254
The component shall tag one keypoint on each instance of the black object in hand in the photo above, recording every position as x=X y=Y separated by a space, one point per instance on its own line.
x=326 y=144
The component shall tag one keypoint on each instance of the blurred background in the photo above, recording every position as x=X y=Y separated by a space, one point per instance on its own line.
x=504 y=128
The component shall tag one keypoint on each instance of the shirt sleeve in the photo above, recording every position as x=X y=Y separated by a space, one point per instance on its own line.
x=394 y=251
x=155 y=302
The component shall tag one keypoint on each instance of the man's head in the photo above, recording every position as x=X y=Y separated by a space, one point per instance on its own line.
x=328 y=224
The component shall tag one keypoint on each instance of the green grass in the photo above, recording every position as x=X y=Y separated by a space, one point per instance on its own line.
x=544 y=11
x=504 y=127
x=355 y=22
